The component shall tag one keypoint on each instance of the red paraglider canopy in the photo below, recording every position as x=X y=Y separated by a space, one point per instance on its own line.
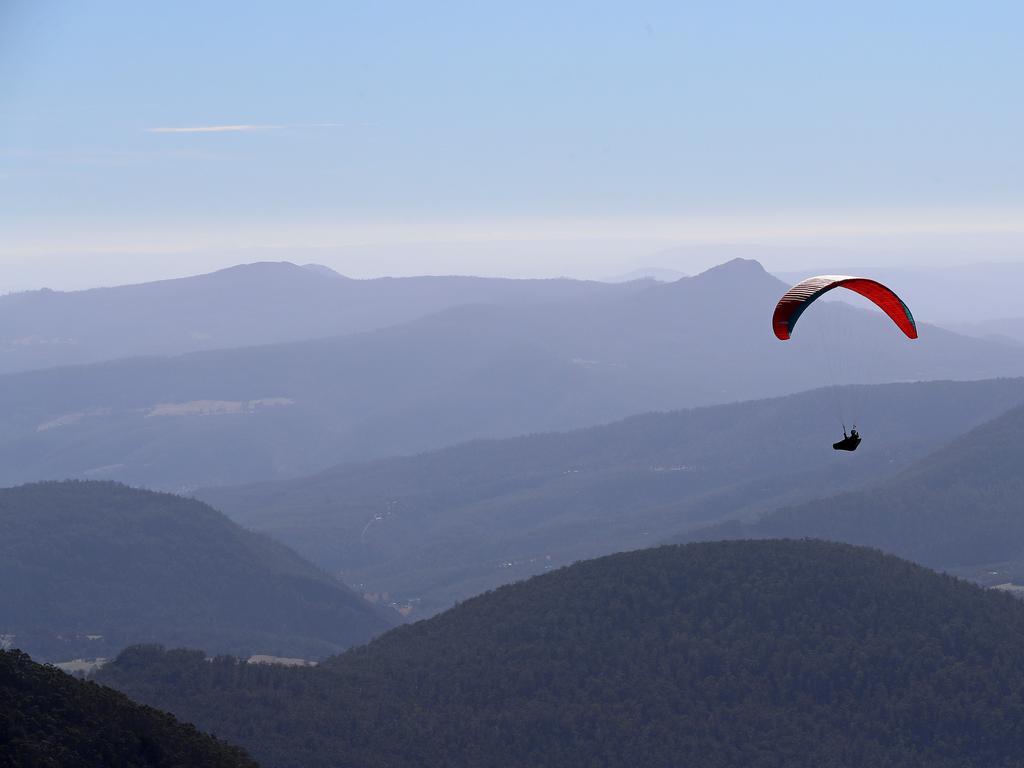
x=800 y=296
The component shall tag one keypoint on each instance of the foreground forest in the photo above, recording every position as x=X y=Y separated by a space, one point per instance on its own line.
x=48 y=719
x=730 y=654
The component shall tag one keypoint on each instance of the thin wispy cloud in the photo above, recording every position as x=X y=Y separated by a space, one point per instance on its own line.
x=241 y=128
x=238 y=128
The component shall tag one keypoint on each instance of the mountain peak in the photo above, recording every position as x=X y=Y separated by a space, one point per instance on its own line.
x=732 y=275
x=735 y=268
x=259 y=267
x=272 y=273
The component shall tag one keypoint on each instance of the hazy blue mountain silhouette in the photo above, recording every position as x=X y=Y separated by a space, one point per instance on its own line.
x=960 y=508
x=246 y=305
x=89 y=568
x=474 y=371
x=442 y=526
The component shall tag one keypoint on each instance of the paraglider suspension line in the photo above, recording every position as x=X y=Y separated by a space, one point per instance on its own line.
x=829 y=354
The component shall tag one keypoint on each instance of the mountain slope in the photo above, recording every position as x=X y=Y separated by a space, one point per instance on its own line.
x=481 y=371
x=50 y=719
x=961 y=507
x=442 y=526
x=90 y=567
x=727 y=654
x=1007 y=329
x=246 y=305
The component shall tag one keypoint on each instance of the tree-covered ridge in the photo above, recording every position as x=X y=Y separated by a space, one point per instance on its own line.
x=961 y=507
x=770 y=653
x=443 y=526
x=91 y=567
x=49 y=719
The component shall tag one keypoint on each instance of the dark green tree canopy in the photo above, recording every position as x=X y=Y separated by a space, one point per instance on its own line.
x=745 y=653
x=49 y=719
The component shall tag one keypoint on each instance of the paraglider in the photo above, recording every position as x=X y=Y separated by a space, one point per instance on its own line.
x=849 y=441
x=803 y=294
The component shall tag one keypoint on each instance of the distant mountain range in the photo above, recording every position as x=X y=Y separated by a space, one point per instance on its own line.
x=276 y=302
x=960 y=508
x=89 y=568
x=442 y=526
x=474 y=371
x=246 y=305
x=661 y=274
x=725 y=655
x=1007 y=329
x=50 y=719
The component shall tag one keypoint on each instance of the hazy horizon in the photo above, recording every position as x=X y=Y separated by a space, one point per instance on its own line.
x=530 y=143
x=603 y=261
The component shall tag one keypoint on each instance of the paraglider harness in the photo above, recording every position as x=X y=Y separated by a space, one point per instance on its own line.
x=849 y=441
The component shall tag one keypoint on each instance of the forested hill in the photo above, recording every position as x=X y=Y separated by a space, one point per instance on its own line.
x=961 y=507
x=48 y=718
x=99 y=566
x=443 y=526
x=729 y=654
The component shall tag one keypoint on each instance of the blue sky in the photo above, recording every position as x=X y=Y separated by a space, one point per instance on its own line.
x=869 y=126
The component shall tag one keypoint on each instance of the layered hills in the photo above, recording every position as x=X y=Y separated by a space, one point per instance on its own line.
x=725 y=654
x=89 y=568
x=432 y=529
x=50 y=719
x=246 y=305
x=960 y=508
x=475 y=371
